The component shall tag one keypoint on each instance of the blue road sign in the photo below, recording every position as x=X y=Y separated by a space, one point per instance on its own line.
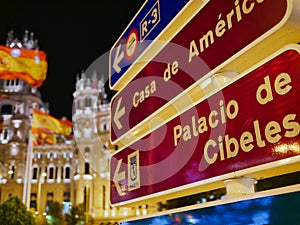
x=149 y=22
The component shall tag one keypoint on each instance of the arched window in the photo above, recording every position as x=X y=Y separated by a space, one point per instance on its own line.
x=12 y=172
x=33 y=200
x=6 y=109
x=68 y=172
x=35 y=173
x=105 y=127
x=5 y=134
x=51 y=173
x=86 y=168
x=88 y=102
x=87 y=150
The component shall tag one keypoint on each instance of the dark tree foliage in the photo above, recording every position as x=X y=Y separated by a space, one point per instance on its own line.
x=54 y=212
x=77 y=215
x=14 y=212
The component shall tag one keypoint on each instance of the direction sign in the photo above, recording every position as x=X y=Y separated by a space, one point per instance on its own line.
x=200 y=47
x=149 y=22
x=252 y=121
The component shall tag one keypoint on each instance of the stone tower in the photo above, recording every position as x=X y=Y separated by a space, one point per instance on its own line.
x=91 y=119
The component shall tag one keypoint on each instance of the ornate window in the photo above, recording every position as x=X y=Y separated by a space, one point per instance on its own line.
x=6 y=109
x=88 y=102
x=86 y=168
x=51 y=155
x=68 y=172
x=35 y=173
x=67 y=155
x=87 y=150
x=51 y=172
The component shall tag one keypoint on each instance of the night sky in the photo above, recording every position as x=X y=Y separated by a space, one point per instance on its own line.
x=74 y=34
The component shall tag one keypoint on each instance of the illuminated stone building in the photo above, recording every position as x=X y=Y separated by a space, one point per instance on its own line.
x=50 y=171
x=91 y=123
x=72 y=172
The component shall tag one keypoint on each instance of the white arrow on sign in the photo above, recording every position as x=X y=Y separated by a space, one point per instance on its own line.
x=118 y=114
x=118 y=177
x=119 y=56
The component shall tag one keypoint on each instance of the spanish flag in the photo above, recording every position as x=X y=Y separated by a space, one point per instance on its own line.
x=47 y=124
x=28 y=65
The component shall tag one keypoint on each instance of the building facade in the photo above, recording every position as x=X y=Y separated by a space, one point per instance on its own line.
x=91 y=124
x=73 y=172
x=50 y=168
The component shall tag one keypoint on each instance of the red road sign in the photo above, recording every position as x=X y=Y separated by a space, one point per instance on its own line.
x=251 y=122
x=220 y=32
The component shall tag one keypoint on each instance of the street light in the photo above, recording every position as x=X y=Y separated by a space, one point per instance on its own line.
x=41 y=179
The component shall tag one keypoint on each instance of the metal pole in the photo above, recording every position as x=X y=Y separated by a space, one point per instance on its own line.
x=28 y=173
x=41 y=180
x=28 y=168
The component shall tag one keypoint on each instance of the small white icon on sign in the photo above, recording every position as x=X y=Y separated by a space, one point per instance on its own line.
x=133 y=171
